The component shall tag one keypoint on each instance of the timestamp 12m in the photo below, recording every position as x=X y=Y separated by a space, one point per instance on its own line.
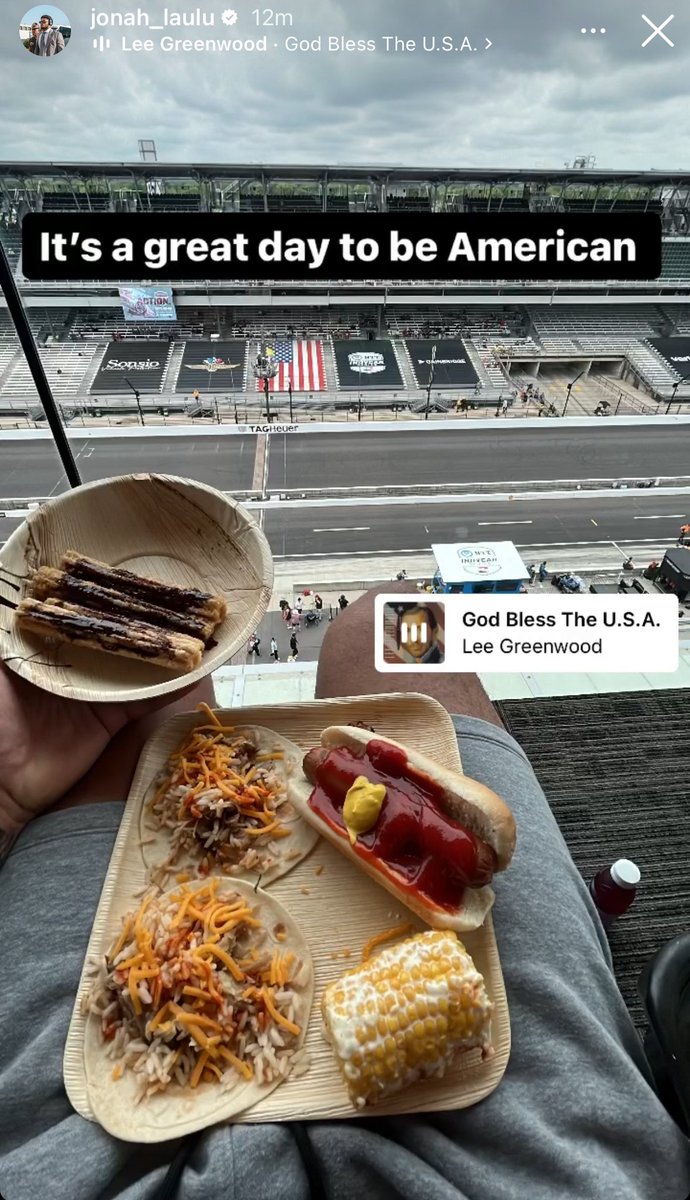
x=269 y=17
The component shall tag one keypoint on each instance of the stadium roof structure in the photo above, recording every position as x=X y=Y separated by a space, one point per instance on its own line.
x=340 y=187
x=305 y=172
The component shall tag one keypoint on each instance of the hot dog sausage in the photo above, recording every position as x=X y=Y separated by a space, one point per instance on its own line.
x=407 y=826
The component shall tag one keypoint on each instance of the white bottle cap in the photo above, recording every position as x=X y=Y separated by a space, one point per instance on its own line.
x=625 y=873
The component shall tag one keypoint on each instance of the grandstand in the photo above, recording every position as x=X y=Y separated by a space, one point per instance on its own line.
x=160 y=187
x=507 y=331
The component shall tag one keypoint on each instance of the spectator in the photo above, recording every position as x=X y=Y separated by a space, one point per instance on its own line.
x=543 y=571
x=343 y=602
x=532 y=572
x=274 y=650
x=318 y=602
x=293 y=643
x=49 y=41
x=254 y=643
x=31 y=43
x=299 y=604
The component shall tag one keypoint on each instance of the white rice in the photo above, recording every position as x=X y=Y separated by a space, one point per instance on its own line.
x=166 y=1056
x=222 y=845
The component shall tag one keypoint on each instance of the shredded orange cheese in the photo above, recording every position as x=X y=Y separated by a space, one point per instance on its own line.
x=207 y=761
x=277 y=1016
x=224 y=957
x=196 y=1074
x=122 y=940
x=204 y=1018
x=237 y=1063
x=386 y=936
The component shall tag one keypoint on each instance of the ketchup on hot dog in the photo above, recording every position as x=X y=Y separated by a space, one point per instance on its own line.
x=414 y=839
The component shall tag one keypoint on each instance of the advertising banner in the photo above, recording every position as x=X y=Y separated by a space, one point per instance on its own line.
x=140 y=363
x=452 y=367
x=363 y=364
x=676 y=351
x=212 y=367
x=148 y=304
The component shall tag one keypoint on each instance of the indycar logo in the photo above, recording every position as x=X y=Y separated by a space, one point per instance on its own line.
x=212 y=364
x=367 y=362
x=479 y=560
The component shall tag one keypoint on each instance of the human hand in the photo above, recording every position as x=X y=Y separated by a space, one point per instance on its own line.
x=48 y=743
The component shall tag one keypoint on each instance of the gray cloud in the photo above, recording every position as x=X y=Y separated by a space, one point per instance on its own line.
x=541 y=95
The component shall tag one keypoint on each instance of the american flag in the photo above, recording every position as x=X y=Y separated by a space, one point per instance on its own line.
x=299 y=363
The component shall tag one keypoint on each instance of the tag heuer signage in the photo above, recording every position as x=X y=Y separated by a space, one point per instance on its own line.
x=140 y=364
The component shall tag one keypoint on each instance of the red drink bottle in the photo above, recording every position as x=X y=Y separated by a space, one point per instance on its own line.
x=613 y=890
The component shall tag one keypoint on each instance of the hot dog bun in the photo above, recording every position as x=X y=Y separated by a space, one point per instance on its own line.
x=470 y=803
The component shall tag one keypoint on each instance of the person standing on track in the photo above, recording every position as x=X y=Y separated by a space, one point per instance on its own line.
x=274 y=650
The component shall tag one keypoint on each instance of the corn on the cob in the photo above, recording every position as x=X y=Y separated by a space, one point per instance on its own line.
x=405 y=1014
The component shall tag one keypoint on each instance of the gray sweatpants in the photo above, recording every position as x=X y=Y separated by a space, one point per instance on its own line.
x=575 y=1117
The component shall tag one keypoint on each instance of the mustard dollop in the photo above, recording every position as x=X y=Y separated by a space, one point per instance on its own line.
x=362 y=806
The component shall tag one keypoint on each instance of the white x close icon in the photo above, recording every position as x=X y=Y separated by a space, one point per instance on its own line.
x=658 y=30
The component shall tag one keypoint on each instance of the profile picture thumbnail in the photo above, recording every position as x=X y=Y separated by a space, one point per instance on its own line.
x=413 y=632
x=45 y=30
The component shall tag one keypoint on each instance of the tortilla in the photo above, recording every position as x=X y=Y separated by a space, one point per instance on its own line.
x=270 y=858
x=117 y=1104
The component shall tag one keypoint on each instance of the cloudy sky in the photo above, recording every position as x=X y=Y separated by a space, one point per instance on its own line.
x=541 y=95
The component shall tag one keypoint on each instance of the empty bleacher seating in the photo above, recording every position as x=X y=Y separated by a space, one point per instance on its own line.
x=172 y=202
x=596 y=327
x=65 y=365
x=294 y=202
x=11 y=238
x=675 y=259
x=403 y=204
x=76 y=201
